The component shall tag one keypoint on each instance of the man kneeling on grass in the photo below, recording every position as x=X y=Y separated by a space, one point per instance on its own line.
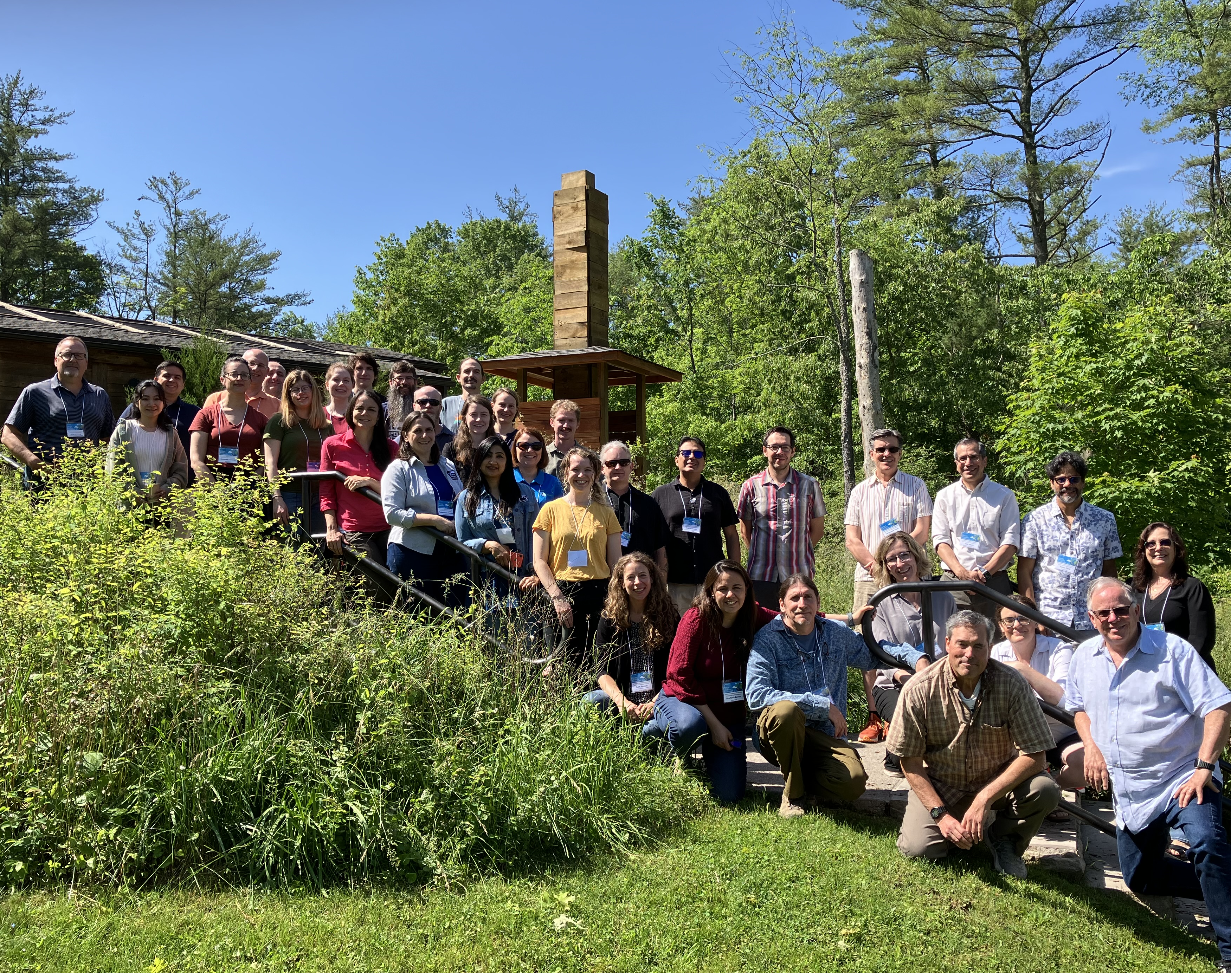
x=797 y=687
x=980 y=727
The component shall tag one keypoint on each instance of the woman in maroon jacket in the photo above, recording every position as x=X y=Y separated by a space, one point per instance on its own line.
x=703 y=693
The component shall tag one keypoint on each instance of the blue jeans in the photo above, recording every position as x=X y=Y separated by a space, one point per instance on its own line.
x=1149 y=870
x=600 y=699
x=429 y=571
x=682 y=725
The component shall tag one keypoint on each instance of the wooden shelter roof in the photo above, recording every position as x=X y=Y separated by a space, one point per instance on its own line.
x=622 y=368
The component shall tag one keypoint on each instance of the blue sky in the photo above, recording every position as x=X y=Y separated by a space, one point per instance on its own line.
x=325 y=126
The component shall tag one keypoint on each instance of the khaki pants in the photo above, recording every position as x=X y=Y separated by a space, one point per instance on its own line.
x=984 y=606
x=1019 y=813
x=864 y=590
x=811 y=761
x=682 y=595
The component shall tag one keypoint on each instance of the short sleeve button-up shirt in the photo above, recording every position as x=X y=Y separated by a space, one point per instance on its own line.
x=43 y=411
x=1147 y=717
x=965 y=749
x=885 y=508
x=976 y=523
x=1068 y=559
x=779 y=518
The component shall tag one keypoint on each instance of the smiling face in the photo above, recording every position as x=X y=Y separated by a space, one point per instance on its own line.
x=1114 y=615
x=494 y=463
x=900 y=563
x=301 y=395
x=690 y=458
x=886 y=453
x=617 y=468
x=505 y=404
x=339 y=384
x=366 y=412
x=636 y=581
x=1017 y=628
x=71 y=359
x=422 y=434
x=970 y=464
x=150 y=405
x=272 y=385
x=729 y=593
x=1068 y=486
x=171 y=379
x=403 y=383
x=778 y=452
x=365 y=375
x=1160 y=551
x=478 y=421
x=580 y=474
x=470 y=375
x=968 y=651
x=527 y=448
x=235 y=376
x=564 y=425
x=258 y=365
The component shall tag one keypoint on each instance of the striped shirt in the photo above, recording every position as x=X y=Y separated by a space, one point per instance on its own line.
x=43 y=412
x=778 y=518
x=878 y=509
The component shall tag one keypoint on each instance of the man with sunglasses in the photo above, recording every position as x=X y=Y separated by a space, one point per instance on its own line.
x=885 y=503
x=1066 y=544
x=64 y=407
x=781 y=518
x=642 y=527
x=976 y=528
x=1154 y=720
x=699 y=516
x=428 y=399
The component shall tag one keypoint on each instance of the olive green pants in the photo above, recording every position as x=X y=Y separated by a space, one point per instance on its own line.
x=812 y=762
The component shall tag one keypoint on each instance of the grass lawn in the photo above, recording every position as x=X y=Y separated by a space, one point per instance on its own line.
x=737 y=890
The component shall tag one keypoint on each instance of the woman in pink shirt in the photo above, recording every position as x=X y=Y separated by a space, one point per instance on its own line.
x=361 y=454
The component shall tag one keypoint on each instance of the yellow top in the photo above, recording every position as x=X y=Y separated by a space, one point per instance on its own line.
x=575 y=529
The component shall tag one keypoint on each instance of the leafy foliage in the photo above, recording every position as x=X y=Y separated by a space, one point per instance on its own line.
x=191 y=696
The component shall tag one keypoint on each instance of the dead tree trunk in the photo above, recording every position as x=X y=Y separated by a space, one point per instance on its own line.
x=867 y=356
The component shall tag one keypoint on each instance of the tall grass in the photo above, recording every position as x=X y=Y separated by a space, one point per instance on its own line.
x=194 y=697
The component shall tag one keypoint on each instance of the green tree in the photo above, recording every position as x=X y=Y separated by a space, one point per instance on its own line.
x=42 y=208
x=1140 y=391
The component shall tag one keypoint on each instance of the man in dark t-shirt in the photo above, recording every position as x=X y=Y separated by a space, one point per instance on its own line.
x=641 y=521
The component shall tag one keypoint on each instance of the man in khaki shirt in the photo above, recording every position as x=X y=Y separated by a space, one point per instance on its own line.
x=980 y=727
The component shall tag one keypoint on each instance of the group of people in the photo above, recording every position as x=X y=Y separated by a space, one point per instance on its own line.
x=675 y=630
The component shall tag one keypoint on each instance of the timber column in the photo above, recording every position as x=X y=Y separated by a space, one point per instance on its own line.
x=581 y=303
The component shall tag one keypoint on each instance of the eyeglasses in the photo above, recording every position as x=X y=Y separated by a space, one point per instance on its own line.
x=900 y=556
x=612 y=464
x=1105 y=614
x=778 y=447
x=73 y=355
x=1162 y=545
x=886 y=449
x=1067 y=480
x=530 y=447
x=1008 y=621
x=426 y=402
x=692 y=453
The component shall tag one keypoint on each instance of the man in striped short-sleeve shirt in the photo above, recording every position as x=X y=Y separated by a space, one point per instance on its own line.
x=782 y=518
x=885 y=503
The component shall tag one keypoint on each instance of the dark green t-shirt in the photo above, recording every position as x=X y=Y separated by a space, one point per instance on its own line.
x=301 y=444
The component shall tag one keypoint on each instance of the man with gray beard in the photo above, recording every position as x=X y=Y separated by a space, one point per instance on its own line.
x=403 y=382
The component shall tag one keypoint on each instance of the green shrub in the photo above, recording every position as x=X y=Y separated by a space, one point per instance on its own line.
x=196 y=697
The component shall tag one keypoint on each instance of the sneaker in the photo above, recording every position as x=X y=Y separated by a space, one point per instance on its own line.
x=873 y=731
x=789 y=808
x=893 y=765
x=1006 y=860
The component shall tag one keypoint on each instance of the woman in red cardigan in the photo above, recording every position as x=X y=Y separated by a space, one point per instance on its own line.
x=704 y=689
x=361 y=454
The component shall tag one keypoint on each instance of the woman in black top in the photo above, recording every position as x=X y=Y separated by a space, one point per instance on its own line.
x=633 y=638
x=1171 y=598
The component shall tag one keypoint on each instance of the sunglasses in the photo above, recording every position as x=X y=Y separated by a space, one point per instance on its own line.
x=1162 y=545
x=1120 y=611
x=886 y=449
x=530 y=447
x=1067 y=480
x=612 y=464
x=692 y=453
x=426 y=402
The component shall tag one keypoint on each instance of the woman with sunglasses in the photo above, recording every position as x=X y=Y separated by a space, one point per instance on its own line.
x=899 y=621
x=1043 y=661
x=530 y=459
x=1172 y=599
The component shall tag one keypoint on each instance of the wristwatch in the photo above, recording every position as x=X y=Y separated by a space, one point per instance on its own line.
x=1203 y=764
x=938 y=812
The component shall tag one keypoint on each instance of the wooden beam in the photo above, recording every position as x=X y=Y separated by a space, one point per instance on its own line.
x=521 y=385
x=580 y=178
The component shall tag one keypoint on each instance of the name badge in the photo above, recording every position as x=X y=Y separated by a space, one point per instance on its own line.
x=692 y=525
x=75 y=430
x=578 y=559
x=146 y=478
x=228 y=455
x=313 y=467
x=625 y=538
x=972 y=539
x=1066 y=563
x=1156 y=627
x=891 y=526
x=516 y=560
x=643 y=682
x=733 y=691
x=504 y=535
x=444 y=508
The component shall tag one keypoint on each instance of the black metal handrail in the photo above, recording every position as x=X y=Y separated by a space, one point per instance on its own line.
x=485 y=563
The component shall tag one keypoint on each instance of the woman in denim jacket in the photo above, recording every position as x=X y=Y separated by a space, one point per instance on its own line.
x=495 y=516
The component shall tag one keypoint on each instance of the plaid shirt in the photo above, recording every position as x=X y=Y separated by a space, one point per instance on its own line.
x=963 y=749
x=778 y=518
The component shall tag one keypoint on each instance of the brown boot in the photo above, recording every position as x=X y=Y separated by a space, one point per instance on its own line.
x=790 y=808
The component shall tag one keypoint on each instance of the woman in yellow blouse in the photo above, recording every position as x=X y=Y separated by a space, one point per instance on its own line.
x=576 y=541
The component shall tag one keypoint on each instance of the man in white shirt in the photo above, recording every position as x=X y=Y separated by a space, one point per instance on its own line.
x=885 y=503
x=976 y=528
x=470 y=377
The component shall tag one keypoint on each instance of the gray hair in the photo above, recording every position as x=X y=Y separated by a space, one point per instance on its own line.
x=968 y=441
x=969 y=619
x=885 y=434
x=1101 y=582
x=614 y=444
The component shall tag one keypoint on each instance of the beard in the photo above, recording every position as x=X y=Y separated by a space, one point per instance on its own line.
x=400 y=406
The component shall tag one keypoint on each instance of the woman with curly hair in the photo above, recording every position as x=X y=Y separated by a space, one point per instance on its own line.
x=475 y=423
x=1172 y=599
x=634 y=633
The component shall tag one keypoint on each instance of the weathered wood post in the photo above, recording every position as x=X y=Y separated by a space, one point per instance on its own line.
x=867 y=355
